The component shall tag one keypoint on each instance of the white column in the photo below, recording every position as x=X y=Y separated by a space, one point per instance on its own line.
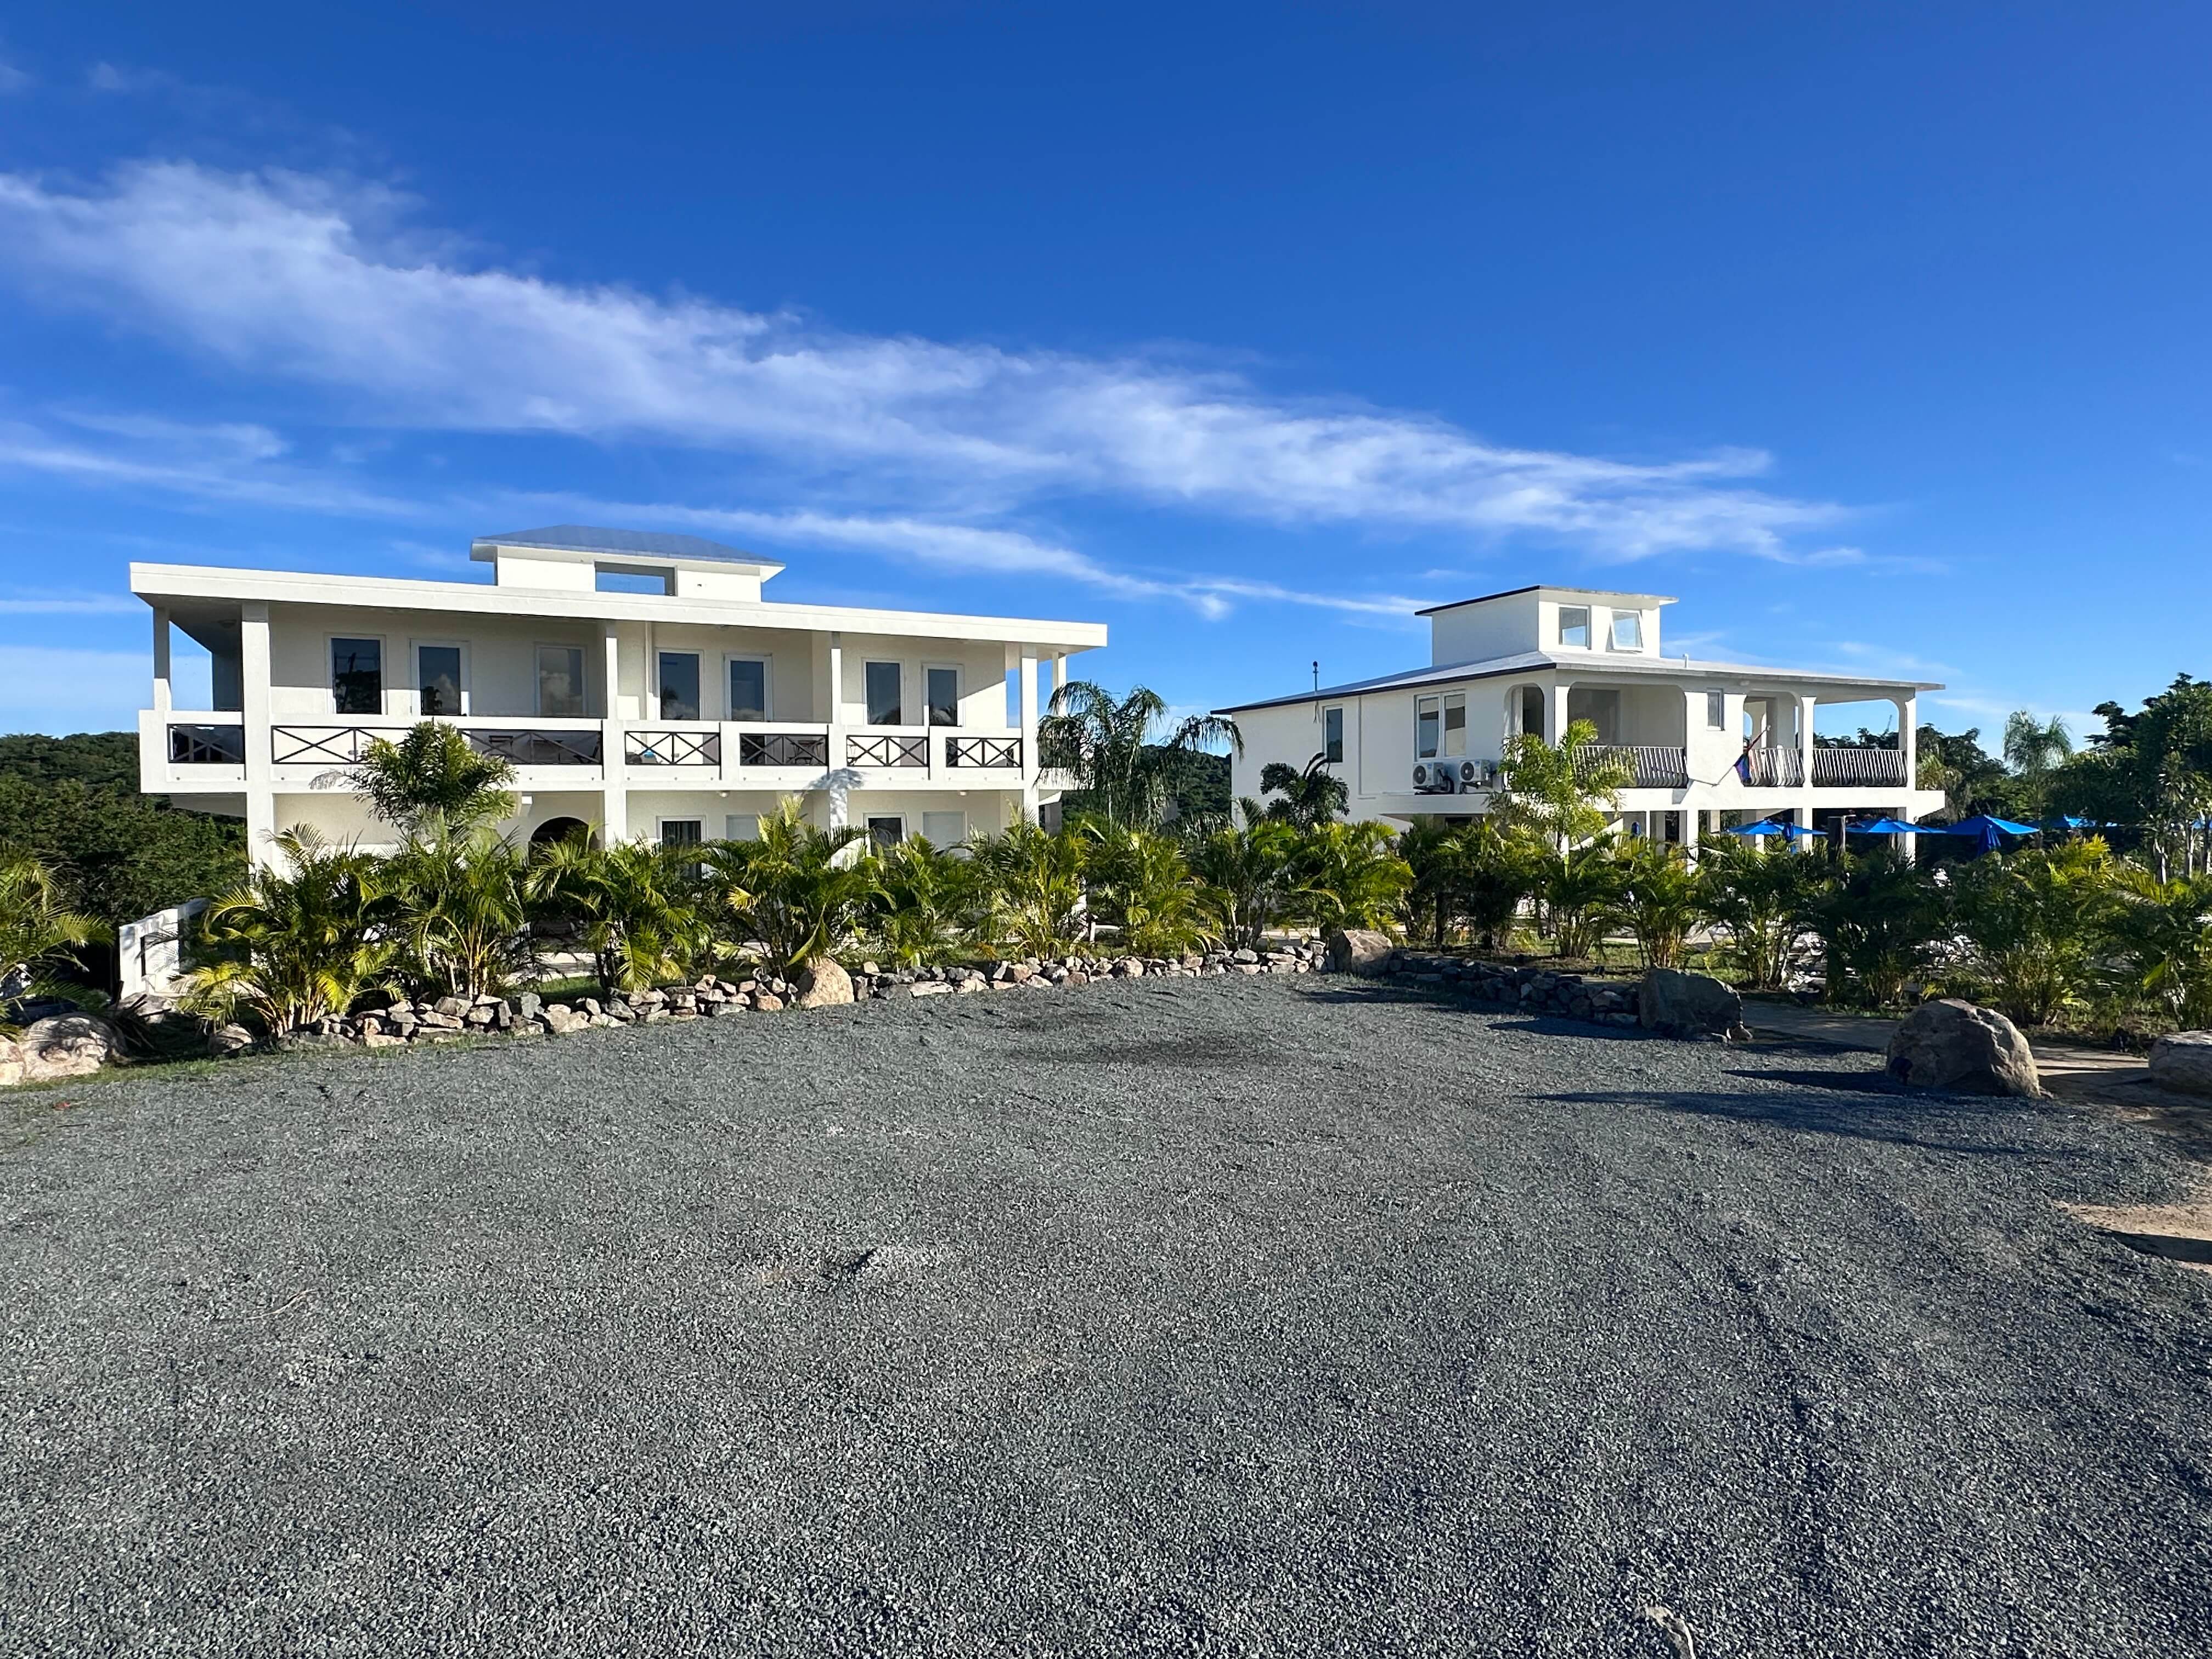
x=1908 y=741
x=614 y=786
x=1058 y=672
x=163 y=700
x=1028 y=705
x=1555 y=712
x=1805 y=753
x=254 y=677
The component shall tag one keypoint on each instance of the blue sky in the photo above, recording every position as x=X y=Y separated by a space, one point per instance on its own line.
x=1874 y=334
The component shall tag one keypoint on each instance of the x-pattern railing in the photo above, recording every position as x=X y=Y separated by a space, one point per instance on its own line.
x=296 y=745
x=207 y=746
x=535 y=746
x=674 y=748
x=783 y=748
x=983 y=752
x=886 y=751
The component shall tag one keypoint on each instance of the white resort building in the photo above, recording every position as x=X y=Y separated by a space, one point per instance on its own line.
x=638 y=683
x=1709 y=743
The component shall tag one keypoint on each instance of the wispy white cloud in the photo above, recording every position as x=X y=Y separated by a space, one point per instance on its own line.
x=21 y=603
x=229 y=463
x=327 y=283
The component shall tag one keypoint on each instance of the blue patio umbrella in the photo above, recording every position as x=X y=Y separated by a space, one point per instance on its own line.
x=1770 y=826
x=1989 y=833
x=1895 y=827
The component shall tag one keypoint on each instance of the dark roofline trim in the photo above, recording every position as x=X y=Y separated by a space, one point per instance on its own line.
x=1533 y=588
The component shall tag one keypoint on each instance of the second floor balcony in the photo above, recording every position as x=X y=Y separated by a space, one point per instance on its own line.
x=210 y=747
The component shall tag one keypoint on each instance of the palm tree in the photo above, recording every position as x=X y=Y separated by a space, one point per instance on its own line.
x=635 y=906
x=1251 y=879
x=1034 y=881
x=928 y=901
x=1758 y=897
x=1314 y=796
x=1580 y=889
x=795 y=891
x=2034 y=749
x=433 y=777
x=1661 y=901
x=1113 y=746
x=297 y=944
x=37 y=931
x=2159 y=933
x=1140 y=884
x=461 y=909
x=1558 y=792
x=1350 y=875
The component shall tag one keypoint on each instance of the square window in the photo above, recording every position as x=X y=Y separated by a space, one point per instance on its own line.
x=1428 y=722
x=1717 y=709
x=681 y=832
x=679 y=686
x=1332 y=736
x=887 y=831
x=741 y=826
x=438 y=677
x=1456 y=724
x=943 y=691
x=1574 y=626
x=1628 y=630
x=561 y=681
x=883 y=678
x=357 y=676
x=943 y=830
x=748 y=689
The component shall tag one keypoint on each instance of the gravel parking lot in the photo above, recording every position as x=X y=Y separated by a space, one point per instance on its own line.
x=1242 y=1316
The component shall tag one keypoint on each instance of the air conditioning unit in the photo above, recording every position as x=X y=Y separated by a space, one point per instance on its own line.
x=1477 y=774
x=1436 y=777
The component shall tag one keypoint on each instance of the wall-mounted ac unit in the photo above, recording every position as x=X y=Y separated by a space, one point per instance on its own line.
x=1436 y=777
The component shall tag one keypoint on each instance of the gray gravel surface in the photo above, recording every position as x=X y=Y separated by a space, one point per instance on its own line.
x=1238 y=1317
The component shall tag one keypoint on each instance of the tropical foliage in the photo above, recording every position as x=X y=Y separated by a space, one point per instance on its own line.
x=433 y=780
x=299 y=942
x=638 y=910
x=795 y=892
x=1120 y=749
x=38 y=931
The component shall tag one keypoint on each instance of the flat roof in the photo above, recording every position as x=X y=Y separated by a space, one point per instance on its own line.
x=1549 y=587
x=1593 y=667
x=193 y=591
x=629 y=544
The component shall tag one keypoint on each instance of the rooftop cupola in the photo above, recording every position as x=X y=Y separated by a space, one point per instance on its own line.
x=572 y=557
x=1565 y=621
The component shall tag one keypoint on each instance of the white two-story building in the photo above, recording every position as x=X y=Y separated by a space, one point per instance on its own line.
x=1703 y=740
x=639 y=684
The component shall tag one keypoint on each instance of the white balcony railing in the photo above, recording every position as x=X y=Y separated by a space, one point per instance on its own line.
x=1854 y=768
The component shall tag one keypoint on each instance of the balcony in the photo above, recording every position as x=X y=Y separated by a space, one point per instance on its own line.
x=568 y=744
x=1004 y=753
x=886 y=749
x=208 y=751
x=1858 y=769
x=206 y=746
x=1648 y=766
x=1773 y=768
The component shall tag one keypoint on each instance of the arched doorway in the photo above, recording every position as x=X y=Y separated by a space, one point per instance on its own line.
x=555 y=830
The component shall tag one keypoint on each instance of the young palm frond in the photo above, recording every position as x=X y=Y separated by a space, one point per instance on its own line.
x=635 y=907
x=461 y=911
x=297 y=944
x=1142 y=887
x=797 y=890
x=433 y=779
x=1310 y=798
x=37 y=931
x=1034 y=885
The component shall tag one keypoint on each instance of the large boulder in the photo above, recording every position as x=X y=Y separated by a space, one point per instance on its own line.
x=1677 y=1004
x=67 y=1045
x=2183 y=1062
x=1952 y=1044
x=1357 y=951
x=11 y=1062
x=823 y=984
